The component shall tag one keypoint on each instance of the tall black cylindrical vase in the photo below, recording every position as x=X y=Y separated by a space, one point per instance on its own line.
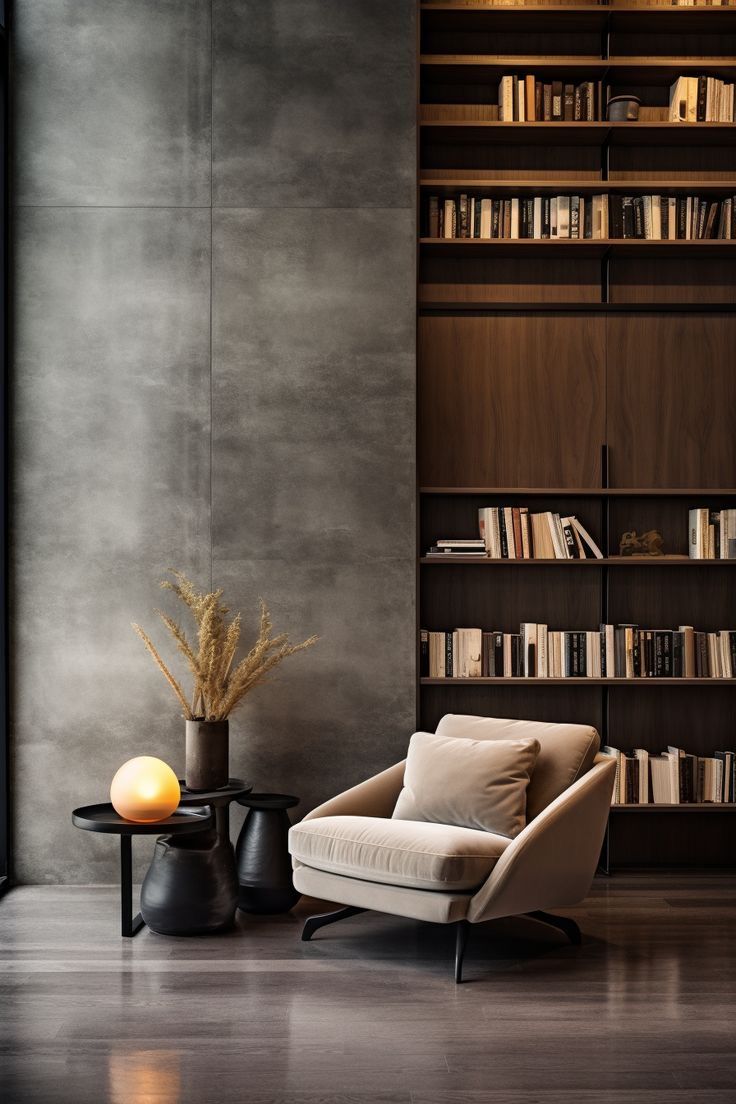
x=262 y=855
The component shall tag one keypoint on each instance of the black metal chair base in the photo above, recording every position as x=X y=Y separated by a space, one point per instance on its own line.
x=562 y=923
x=462 y=930
x=314 y=923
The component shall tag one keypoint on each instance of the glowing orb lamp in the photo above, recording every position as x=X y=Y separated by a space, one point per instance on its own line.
x=145 y=790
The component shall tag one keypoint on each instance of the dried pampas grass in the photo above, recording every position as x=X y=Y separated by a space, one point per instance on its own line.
x=220 y=684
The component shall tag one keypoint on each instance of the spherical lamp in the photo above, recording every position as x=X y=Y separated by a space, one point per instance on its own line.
x=145 y=790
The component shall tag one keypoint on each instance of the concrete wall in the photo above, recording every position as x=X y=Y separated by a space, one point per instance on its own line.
x=214 y=369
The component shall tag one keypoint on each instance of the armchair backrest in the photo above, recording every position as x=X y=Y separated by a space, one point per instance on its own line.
x=566 y=752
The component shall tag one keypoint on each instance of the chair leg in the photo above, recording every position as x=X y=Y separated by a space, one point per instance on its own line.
x=314 y=923
x=462 y=927
x=562 y=923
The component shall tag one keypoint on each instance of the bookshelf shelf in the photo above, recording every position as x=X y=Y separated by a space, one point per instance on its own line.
x=485 y=306
x=535 y=352
x=587 y=492
x=584 y=246
x=683 y=807
x=540 y=185
x=641 y=683
x=607 y=561
x=663 y=70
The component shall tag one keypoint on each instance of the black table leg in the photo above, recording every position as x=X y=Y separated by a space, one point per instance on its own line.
x=129 y=924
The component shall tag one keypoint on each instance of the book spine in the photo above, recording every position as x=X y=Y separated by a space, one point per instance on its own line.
x=433 y=228
x=424 y=654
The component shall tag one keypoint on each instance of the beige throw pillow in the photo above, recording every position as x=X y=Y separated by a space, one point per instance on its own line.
x=471 y=783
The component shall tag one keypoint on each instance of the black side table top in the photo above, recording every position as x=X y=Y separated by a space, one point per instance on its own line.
x=223 y=796
x=268 y=801
x=103 y=818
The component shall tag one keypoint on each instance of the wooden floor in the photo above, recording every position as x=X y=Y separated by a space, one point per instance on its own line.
x=643 y=1011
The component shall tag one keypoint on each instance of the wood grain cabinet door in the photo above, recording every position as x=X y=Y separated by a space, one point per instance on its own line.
x=511 y=400
x=672 y=400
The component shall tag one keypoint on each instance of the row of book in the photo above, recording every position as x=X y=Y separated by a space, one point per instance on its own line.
x=671 y=218
x=673 y=778
x=712 y=534
x=701 y=100
x=484 y=217
x=596 y=217
x=642 y=3
x=612 y=651
x=525 y=99
x=629 y=3
x=512 y=533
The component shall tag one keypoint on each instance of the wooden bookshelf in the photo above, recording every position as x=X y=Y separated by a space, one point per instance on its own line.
x=585 y=375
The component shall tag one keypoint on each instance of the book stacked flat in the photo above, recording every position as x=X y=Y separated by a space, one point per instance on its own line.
x=701 y=100
x=511 y=532
x=518 y=218
x=672 y=218
x=611 y=651
x=525 y=99
x=673 y=778
x=449 y=547
x=712 y=534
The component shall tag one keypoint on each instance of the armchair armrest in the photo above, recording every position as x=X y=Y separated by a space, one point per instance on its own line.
x=376 y=797
x=551 y=863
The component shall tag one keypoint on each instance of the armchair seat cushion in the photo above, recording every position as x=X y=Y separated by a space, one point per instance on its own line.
x=417 y=854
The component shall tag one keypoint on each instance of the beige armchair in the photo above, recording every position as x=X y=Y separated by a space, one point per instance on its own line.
x=350 y=851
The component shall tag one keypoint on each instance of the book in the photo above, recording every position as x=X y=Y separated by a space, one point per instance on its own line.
x=586 y=538
x=506 y=111
x=433 y=228
x=557 y=104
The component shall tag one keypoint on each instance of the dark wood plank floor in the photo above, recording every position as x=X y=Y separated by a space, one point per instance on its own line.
x=642 y=1012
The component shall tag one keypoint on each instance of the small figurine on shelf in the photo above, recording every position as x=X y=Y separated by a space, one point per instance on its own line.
x=648 y=544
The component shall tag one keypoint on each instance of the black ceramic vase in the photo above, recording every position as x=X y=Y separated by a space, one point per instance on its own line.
x=207 y=755
x=191 y=887
x=262 y=855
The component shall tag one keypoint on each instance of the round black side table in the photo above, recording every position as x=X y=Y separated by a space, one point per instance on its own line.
x=103 y=818
x=191 y=887
x=262 y=854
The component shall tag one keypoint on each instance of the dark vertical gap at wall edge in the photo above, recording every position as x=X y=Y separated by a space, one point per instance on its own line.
x=212 y=277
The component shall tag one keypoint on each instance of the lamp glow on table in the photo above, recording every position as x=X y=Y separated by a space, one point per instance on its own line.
x=145 y=790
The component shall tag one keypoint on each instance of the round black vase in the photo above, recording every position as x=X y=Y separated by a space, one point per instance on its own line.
x=191 y=887
x=262 y=855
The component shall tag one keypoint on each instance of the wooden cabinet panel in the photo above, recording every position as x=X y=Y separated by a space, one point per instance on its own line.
x=511 y=400
x=664 y=598
x=671 y=399
x=501 y=599
x=577 y=705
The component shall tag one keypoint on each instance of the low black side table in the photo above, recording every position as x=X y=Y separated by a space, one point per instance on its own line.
x=103 y=818
x=262 y=854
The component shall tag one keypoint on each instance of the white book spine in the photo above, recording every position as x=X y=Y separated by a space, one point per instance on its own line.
x=514 y=218
x=485 y=218
x=537 y=216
